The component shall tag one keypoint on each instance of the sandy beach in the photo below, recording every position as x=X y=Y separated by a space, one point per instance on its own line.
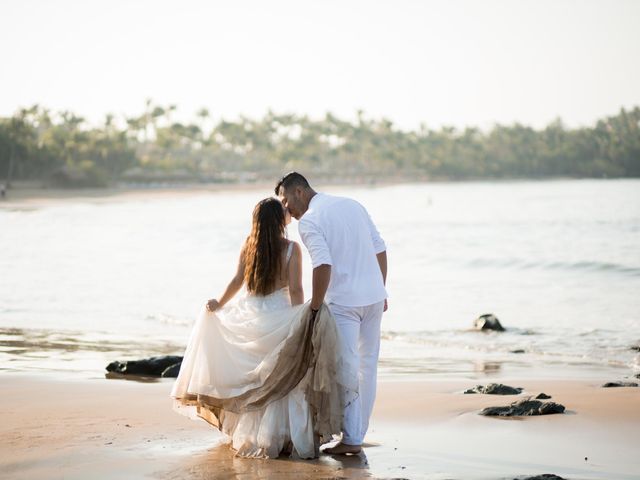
x=112 y=428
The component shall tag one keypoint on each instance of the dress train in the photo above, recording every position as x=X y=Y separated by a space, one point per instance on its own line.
x=265 y=374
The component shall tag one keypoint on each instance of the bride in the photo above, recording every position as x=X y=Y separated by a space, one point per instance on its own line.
x=262 y=369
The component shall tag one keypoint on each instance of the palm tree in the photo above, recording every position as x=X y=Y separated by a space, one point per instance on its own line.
x=203 y=114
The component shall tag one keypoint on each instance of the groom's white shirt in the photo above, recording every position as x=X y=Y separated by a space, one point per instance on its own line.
x=339 y=232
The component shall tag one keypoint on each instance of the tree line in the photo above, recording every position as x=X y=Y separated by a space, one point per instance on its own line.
x=62 y=149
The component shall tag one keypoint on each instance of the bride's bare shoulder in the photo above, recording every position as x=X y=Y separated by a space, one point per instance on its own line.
x=296 y=251
x=293 y=243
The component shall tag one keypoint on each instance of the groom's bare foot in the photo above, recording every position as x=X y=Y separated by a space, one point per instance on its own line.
x=343 y=449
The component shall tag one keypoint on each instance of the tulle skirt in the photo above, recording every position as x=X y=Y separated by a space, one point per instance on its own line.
x=267 y=375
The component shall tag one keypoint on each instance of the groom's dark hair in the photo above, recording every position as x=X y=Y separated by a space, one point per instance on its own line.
x=291 y=179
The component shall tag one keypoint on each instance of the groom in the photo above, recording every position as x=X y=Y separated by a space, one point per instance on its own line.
x=349 y=272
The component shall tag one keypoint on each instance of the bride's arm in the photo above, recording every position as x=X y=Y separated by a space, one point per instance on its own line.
x=234 y=285
x=295 y=276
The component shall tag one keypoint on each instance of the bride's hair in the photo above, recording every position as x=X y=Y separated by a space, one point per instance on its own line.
x=264 y=247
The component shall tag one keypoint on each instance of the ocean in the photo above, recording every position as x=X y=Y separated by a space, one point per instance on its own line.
x=85 y=282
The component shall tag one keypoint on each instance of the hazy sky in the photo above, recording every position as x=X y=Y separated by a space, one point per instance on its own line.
x=451 y=62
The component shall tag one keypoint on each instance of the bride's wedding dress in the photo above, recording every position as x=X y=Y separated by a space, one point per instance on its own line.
x=266 y=374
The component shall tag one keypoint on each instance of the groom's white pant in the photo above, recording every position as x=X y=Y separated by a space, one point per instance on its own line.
x=359 y=329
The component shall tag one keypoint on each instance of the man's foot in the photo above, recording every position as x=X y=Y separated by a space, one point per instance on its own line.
x=343 y=449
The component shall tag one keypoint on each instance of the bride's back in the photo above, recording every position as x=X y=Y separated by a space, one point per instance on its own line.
x=282 y=279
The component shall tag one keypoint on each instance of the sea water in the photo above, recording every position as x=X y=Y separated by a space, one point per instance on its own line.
x=86 y=282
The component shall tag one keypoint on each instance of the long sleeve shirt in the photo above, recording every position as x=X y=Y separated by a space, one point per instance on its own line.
x=339 y=232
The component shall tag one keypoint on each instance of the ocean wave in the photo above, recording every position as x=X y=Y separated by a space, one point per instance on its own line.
x=167 y=319
x=589 y=346
x=420 y=336
x=21 y=341
x=583 y=265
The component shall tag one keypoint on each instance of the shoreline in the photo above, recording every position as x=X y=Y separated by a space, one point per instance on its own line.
x=42 y=197
x=77 y=354
x=74 y=428
x=33 y=195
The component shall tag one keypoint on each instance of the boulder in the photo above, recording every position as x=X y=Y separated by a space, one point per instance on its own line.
x=495 y=389
x=488 y=321
x=172 y=371
x=518 y=350
x=524 y=408
x=619 y=384
x=543 y=396
x=148 y=367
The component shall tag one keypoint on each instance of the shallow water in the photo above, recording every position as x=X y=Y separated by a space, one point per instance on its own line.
x=558 y=262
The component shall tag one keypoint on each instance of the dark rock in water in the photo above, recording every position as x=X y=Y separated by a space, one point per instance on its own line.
x=619 y=384
x=637 y=375
x=153 y=367
x=495 y=389
x=543 y=396
x=544 y=476
x=524 y=408
x=488 y=321
x=172 y=371
x=517 y=350
x=635 y=348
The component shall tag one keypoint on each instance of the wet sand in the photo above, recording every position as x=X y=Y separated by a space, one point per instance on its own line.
x=78 y=428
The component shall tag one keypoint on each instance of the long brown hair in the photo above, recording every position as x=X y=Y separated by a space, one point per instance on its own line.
x=264 y=247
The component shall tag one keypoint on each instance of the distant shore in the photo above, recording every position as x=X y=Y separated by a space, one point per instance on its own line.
x=31 y=195
x=39 y=196
x=74 y=428
x=34 y=194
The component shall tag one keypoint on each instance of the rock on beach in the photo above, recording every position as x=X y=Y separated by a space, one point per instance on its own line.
x=524 y=408
x=495 y=389
x=488 y=321
x=619 y=384
x=544 y=476
x=163 y=366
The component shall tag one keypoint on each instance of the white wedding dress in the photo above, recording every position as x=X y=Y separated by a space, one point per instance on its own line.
x=265 y=374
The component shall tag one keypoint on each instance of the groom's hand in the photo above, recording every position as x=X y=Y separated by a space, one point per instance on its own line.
x=386 y=306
